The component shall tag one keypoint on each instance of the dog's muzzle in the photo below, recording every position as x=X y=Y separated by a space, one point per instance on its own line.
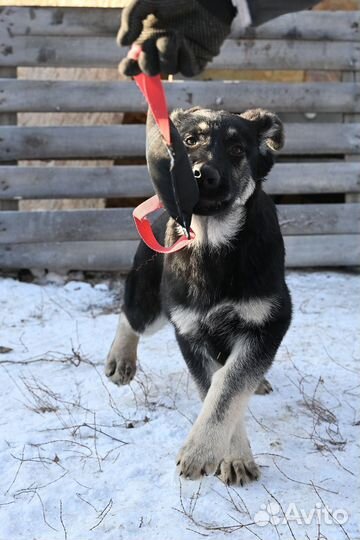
x=207 y=176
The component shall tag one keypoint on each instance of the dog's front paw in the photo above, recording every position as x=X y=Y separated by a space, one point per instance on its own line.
x=238 y=471
x=119 y=368
x=196 y=459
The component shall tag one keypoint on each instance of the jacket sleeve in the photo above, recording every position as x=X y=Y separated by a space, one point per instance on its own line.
x=256 y=12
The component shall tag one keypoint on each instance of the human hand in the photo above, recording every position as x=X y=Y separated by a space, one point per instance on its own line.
x=175 y=36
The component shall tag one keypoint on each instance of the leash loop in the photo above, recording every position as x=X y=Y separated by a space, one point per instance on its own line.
x=144 y=228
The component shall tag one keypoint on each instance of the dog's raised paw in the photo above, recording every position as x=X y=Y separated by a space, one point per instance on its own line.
x=120 y=370
x=238 y=471
x=264 y=388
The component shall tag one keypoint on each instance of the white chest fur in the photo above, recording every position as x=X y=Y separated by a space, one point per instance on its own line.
x=254 y=311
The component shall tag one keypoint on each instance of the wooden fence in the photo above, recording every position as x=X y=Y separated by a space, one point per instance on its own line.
x=320 y=158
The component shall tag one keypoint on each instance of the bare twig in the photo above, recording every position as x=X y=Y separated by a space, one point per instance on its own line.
x=103 y=514
x=300 y=482
x=261 y=424
x=97 y=430
x=321 y=414
x=284 y=515
x=33 y=488
x=95 y=444
x=43 y=511
x=189 y=513
x=17 y=471
x=61 y=519
x=51 y=357
x=87 y=502
x=67 y=441
x=337 y=363
x=330 y=513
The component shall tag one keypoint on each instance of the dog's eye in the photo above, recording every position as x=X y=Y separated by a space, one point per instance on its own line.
x=190 y=140
x=236 y=150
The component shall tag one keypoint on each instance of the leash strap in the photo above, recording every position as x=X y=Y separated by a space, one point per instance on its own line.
x=153 y=91
x=143 y=226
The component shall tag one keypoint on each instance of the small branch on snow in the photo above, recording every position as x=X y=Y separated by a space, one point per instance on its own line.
x=282 y=510
x=330 y=513
x=103 y=514
x=310 y=484
x=62 y=520
x=17 y=471
x=189 y=514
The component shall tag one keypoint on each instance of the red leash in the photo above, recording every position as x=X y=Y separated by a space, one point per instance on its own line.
x=153 y=91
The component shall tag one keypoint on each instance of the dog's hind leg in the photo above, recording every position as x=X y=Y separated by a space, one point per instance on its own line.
x=141 y=314
x=264 y=388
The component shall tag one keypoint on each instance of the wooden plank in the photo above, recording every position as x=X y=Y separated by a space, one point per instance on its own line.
x=304 y=219
x=61 y=21
x=307 y=178
x=133 y=181
x=113 y=96
x=235 y=54
x=75 y=182
x=111 y=142
x=320 y=251
x=8 y=118
x=338 y=26
x=311 y=25
x=353 y=77
x=302 y=251
x=287 y=55
x=72 y=142
x=117 y=223
x=116 y=256
x=65 y=226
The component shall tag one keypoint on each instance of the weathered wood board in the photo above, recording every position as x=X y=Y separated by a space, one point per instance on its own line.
x=91 y=142
x=328 y=26
x=236 y=96
x=276 y=54
x=133 y=181
x=302 y=251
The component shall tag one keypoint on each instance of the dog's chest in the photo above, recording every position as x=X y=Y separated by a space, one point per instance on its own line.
x=199 y=279
x=222 y=321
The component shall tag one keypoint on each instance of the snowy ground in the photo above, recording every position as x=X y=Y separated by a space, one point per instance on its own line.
x=82 y=459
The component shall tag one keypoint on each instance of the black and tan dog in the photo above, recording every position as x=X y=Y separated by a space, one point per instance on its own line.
x=225 y=294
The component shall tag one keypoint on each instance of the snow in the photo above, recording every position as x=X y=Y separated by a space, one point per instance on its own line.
x=81 y=458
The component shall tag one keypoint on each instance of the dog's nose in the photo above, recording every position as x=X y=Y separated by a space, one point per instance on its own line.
x=207 y=175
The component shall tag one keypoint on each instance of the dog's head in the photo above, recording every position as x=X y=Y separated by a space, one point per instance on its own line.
x=230 y=153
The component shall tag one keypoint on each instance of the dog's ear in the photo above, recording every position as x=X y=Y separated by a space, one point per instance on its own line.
x=270 y=136
x=178 y=115
x=269 y=128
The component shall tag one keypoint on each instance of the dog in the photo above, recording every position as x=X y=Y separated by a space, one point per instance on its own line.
x=225 y=293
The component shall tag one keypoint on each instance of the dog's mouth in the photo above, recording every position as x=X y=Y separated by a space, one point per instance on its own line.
x=215 y=192
x=208 y=207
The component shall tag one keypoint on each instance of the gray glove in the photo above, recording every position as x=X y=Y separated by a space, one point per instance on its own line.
x=175 y=35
